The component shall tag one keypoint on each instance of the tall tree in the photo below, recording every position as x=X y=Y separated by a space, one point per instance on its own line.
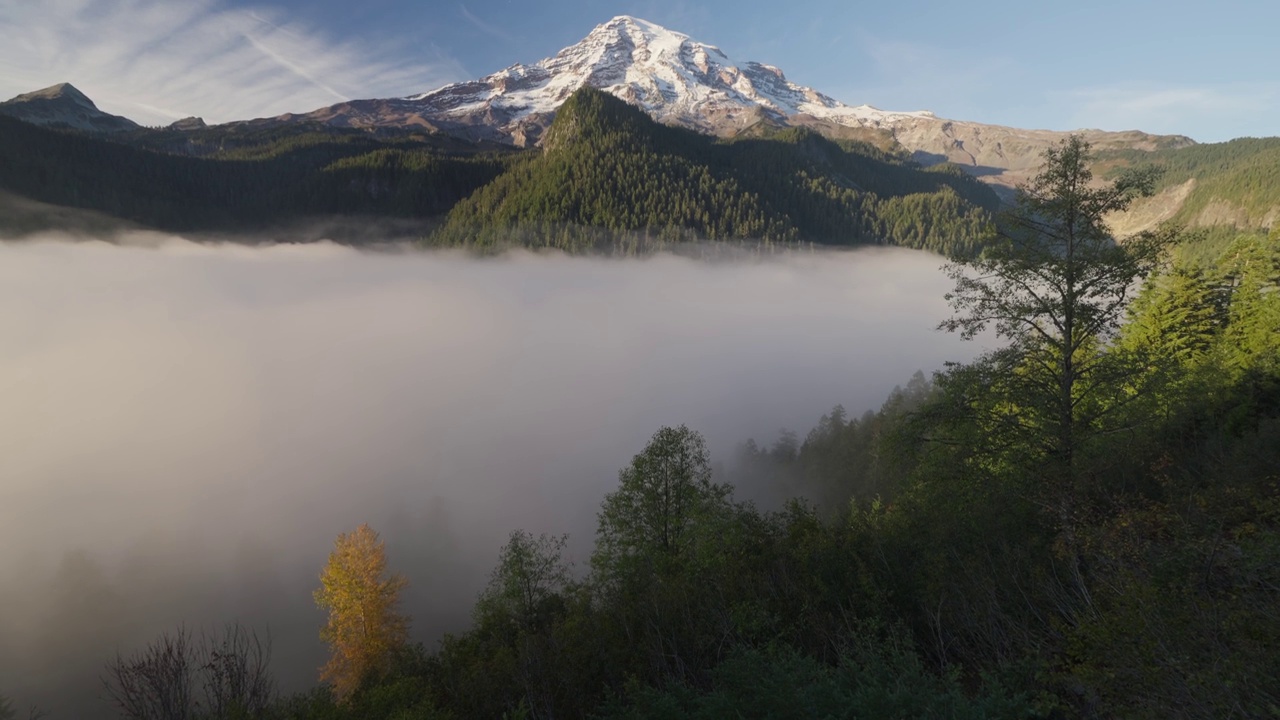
x=1055 y=284
x=1252 y=269
x=365 y=629
x=657 y=543
x=665 y=499
x=526 y=584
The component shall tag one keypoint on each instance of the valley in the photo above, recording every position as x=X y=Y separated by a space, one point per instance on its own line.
x=641 y=380
x=435 y=163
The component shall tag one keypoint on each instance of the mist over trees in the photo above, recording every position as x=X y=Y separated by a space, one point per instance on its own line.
x=365 y=629
x=1082 y=524
x=609 y=179
x=185 y=675
x=943 y=571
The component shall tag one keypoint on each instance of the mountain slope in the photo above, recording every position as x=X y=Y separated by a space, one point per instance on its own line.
x=280 y=177
x=681 y=81
x=63 y=105
x=671 y=76
x=1233 y=183
x=607 y=177
x=674 y=78
x=611 y=177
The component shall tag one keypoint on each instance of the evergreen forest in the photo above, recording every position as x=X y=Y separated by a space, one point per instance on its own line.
x=1084 y=523
x=609 y=178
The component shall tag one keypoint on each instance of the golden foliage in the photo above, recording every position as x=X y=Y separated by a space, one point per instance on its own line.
x=364 y=629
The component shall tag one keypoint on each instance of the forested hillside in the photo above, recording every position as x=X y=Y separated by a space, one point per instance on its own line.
x=1082 y=523
x=248 y=182
x=609 y=178
x=1222 y=188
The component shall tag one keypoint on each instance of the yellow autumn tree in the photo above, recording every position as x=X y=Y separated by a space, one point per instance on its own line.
x=364 y=629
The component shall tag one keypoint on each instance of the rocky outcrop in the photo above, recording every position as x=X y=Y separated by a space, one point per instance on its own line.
x=63 y=105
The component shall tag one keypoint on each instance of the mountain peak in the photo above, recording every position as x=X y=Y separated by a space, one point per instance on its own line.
x=593 y=113
x=681 y=81
x=56 y=92
x=645 y=35
x=632 y=21
x=673 y=77
x=63 y=105
x=640 y=29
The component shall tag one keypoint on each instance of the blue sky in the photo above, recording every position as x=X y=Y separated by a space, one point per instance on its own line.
x=1208 y=70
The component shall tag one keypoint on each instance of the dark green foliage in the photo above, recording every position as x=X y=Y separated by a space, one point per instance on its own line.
x=611 y=177
x=1162 y=600
x=1055 y=285
x=932 y=580
x=403 y=693
x=263 y=182
x=932 y=575
x=881 y=679
x=664 y=507
x=1237 y=183
x=861 y=458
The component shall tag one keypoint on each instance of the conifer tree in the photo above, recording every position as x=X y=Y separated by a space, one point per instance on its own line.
x=1056 y=284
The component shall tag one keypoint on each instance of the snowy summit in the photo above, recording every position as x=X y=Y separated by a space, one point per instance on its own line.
x=680 y=81
x=673 y=77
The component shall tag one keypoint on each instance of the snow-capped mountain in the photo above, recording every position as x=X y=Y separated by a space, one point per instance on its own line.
x=673 y=77
x=681 y=81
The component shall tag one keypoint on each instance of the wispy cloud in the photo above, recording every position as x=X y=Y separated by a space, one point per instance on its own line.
x=157 y=60
x=1229 y=108
x=484 y=27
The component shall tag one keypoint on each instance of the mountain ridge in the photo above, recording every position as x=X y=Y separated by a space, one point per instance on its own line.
x=63 y=105
x=681 y=81
x=677 y=80
x=610 y=179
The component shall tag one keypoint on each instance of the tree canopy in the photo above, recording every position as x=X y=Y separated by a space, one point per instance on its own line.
x=365 y=628
x=1056 y=285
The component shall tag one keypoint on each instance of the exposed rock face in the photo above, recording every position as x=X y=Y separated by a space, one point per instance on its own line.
x=681 y=81
x=188 y=123
x=64 y=106
x=1147 y=213
x=1006 y=156
x=674 y=78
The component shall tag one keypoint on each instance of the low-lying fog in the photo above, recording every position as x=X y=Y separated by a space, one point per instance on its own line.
x=184 y=429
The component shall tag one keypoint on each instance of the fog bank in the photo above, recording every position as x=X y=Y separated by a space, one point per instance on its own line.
x=184 y=429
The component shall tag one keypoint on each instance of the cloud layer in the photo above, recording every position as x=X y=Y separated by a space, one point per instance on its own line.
x=156 y=61
x=184 y=429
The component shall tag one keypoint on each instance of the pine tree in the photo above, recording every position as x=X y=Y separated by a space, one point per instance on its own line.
x=1056 y=285
x=1176 y=318
x=364 y=630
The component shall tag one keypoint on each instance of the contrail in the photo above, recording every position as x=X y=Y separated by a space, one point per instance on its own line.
x=484 y=26
x=285 y=62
